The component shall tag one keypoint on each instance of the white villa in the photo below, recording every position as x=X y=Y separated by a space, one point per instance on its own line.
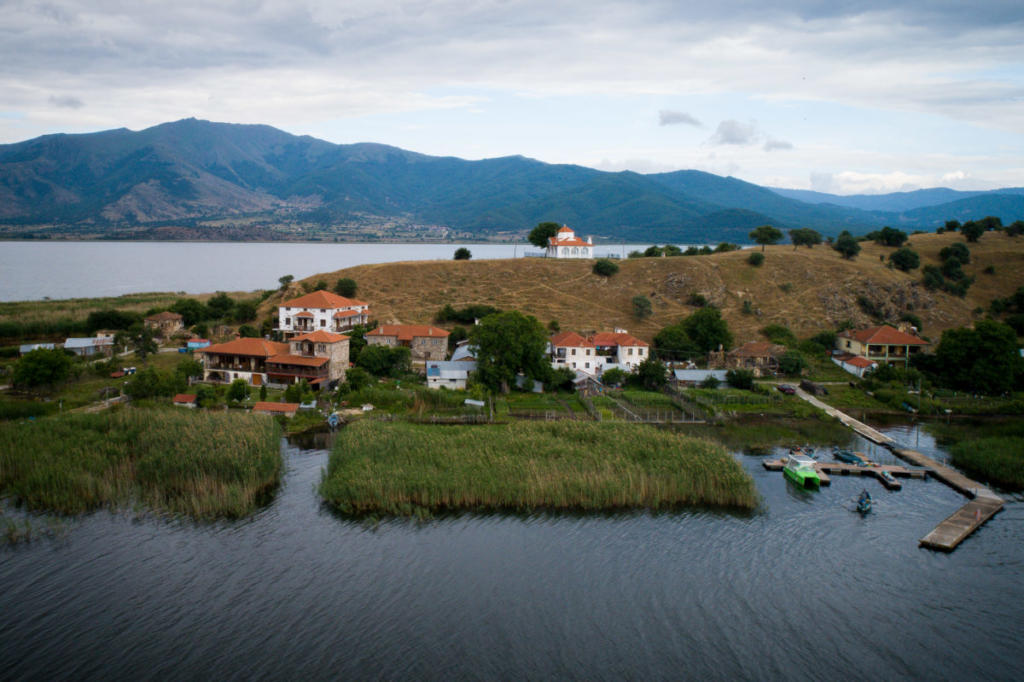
x=599 y=352
x=565 y=244
x=320 y=311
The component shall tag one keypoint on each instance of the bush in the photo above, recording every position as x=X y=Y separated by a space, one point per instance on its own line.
x=792 y=363
x=780 y=334
x=605 y=267
x=346 y=286
x=697 y=300
x=740 y=378
x=613 y=377
x=958 y=251
x=756 y=259
x=641 y=307
x=710 y=382
x=238 y=390
x=905 y=259
x=462 y=253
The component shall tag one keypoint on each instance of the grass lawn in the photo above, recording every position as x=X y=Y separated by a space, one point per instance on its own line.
x=413 y=470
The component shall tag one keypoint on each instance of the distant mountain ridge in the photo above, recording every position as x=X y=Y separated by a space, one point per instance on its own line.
x=196 y=171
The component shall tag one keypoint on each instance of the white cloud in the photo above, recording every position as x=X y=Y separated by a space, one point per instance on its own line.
x=667 y=117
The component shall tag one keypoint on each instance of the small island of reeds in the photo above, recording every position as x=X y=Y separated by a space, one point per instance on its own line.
x=401 y=469
x=195 y=463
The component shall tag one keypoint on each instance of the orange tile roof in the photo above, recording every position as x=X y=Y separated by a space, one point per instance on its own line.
x=575 y=241
x=299 y=360
x=570 y=340
x=320 y=336
x=304 y=314
x=563 y=229
x=616 y=339
x=258 y=347
x=350 y=313
x=184 y=398
x=858 y=361
x=322 y=299
x=883 y=335
x=406 y=332
x=757 y=349
x=283 y=408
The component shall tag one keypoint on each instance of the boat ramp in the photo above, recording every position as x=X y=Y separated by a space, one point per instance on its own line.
x=956 y=528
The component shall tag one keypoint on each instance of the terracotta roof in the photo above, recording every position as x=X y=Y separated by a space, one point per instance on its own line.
x=350 y=313
x=563 y=229
x=184 y=398
x=300 y=360
x=257 y=347
x=406 y=332
x=575 y=241
x=322 y=299
x=165 y=316
x=616 y=339
x=320 y=336
x=858 y=361
x=757 y=349
x=883 y=335
x=304 y=314
x=282 y=408
x=570 y=340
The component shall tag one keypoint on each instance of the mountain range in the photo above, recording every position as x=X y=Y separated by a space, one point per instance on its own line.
x=191 y=171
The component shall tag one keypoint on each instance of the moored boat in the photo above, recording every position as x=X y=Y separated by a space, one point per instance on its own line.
x=800 y=469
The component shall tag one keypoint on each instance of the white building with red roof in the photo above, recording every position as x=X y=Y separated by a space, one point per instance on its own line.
x=883 y=344
x=565 y=244
x=598 y=352
x=320 y=311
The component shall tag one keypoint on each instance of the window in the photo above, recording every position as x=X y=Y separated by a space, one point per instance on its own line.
x=322 y=310
x=321 y=348
x=323 y=323
x=287 y=321
x=639 y=351
x=586 y=365
x=574 y=353
x=630 y=352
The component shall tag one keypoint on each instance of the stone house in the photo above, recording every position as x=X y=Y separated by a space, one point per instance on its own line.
x=320 y=311
x=425 y=343
x=321 y=358
x=760 y=357
x=165 y=324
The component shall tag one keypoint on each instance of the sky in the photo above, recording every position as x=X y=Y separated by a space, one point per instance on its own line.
x=832 y=95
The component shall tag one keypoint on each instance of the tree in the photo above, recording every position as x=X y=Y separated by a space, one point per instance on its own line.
x=220 y=305
x=605 y=267
x=263 y=391
x=110 y=319
x=147 y=383
x=952 y=225
x=142 y=340
x=383 y=361
x=905 y=259
x=707 y=329
x=191 y=311
x=888 y=236
x=756 y=259
x=189 y=369
x=247 y=331
x=613 y=377
x=653 y=252
x=560 y=379
x=238 y=390
x=540 y=235
x=672 y=250
x=650 y=374
x=804 y=236
x=42 y=368
x=244 y=311
x=462 y=253
x=792 y=363
x=285 y=281
x=673 y=343
x=740 y=378
x=509 y=344
x=710 y=381
x=1015 y=228
x=846 y=244
x=206 y=395
x=766 y=234
x=356 y=379
x=972 y=230
x=298 y=392
x=346 y=286
x=957 y=251
x=984 y=359
x=641 y=307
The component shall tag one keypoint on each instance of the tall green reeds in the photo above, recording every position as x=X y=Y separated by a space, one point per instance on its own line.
x=999 y=460
x=200 y=464
x=406 y=469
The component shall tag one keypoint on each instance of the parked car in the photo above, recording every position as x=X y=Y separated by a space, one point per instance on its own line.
x=787 y=389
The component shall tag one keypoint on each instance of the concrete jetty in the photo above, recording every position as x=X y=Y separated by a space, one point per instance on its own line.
x=955 y=528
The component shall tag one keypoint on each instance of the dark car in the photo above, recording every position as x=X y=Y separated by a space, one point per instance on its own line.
x=787 y=389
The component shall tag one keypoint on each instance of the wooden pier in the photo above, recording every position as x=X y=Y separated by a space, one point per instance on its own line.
x=954 y=529
x=827 y=469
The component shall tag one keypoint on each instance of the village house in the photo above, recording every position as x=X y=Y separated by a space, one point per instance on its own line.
x=599 y=352
x=760 y=357
x=89 y=346
x=165 y=324
x=240 y=359
x=185 y=400
x=286 y=409
x=321 y=358
x=883 y=344
x=854 y=364
x=451 y=374
x=565 y=244
x=424 y=342
x=320 y=311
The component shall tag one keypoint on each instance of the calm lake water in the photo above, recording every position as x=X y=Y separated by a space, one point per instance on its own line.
x=34 y=270
x=804 y=589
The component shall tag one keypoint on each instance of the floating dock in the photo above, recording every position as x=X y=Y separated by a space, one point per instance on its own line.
x=956 y=528
x=827 y=469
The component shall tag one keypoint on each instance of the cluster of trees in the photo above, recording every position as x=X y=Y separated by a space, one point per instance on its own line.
x=152 y=383
x=693 y=336
x=887 y=236
x=950 y=276
x=41 y=369
x=671 y=250
x=219 y=307
x=466 y=315
x=1013 y=308
x=972 y=230
x=984 y=359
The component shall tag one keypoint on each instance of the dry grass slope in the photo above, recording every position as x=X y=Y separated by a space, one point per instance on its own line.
x=805 y=289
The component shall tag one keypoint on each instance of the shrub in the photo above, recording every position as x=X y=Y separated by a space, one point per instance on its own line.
x=756 y=258
x=613 y=377
x=711 y=381
x=462 y=253
x=346 y=286
x=697 y=300
x=779 y=333
x=958 y=251
x=792 y=363
x=605 y=267
x=905 y=259
x=740 y=378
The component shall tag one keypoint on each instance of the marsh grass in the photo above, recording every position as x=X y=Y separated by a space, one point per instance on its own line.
x=999 y=460
x=410 y=470
x=765 y=434
x=199 y=464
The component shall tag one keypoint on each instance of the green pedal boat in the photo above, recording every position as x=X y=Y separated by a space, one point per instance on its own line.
x=800 y=470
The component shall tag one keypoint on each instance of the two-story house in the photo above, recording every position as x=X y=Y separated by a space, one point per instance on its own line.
x=320 y=311
x=883 y=344
x=320 y=357
x=598 y=352
x=165 y=324
x=240 y=359
x=423 y=341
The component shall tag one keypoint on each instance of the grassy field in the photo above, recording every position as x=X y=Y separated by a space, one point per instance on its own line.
x=195 y=463
x=410 y=470
x=808 y=290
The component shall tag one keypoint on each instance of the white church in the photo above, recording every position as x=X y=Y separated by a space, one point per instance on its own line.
x=565 y=244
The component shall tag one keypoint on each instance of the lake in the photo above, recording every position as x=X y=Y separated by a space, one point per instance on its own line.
x=803 y=589
x=32 y=270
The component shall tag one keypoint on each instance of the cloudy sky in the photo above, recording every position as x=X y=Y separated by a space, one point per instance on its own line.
x=834 y=95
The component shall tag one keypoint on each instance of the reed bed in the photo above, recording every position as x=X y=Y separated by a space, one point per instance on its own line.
x=999 y=460
x=411 y=470
x=199 y=464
